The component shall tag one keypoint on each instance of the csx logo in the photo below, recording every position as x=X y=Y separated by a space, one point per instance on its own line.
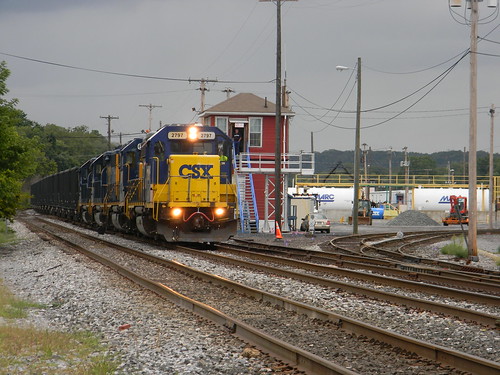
x=326 y=198
x=195 y=170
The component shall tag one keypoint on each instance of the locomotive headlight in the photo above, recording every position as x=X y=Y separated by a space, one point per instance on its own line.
x=193 y=133
x=220 y=211
x=176 y=212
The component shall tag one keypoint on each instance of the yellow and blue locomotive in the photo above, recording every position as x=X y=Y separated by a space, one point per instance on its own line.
x=175 y=183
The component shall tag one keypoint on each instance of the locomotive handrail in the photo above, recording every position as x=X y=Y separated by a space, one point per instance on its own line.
x=157 y=213
x=130 y=193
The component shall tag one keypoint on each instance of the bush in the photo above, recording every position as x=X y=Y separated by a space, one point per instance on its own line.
x=456 y=248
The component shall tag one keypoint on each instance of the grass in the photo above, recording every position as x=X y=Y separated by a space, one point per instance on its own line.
x=7 y=235
x=12 y=307
x=30 y=350
x=456 y=248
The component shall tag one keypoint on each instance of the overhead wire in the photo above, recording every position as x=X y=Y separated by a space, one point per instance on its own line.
x=124 y=74
x=448 y=71
x=439 y=79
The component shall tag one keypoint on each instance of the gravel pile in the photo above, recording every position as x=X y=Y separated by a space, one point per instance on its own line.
x=412 y=219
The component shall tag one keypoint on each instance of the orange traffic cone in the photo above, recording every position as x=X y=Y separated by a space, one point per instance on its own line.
x=278 y=232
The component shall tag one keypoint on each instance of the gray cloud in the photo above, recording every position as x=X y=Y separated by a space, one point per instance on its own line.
x=235 y=41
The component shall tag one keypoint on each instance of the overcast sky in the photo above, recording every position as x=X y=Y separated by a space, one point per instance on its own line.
x=405 y=46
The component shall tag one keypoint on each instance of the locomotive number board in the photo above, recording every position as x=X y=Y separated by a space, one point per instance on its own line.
x=183 y=135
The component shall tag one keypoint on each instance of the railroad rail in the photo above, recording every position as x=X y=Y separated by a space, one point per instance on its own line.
x=466 y=314
x=488 y=283
x=301 y=358
x=359 y=244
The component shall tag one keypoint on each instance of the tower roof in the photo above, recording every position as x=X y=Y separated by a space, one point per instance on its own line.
x=245 y=103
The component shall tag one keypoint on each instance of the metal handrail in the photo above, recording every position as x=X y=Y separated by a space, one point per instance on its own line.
x=393 y=180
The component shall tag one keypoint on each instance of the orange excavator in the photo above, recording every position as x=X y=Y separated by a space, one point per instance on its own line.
x=458 y=211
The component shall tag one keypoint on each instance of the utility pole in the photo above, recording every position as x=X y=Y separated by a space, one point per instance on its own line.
x=390 y=174
x=492 y=190
x=473 y=6
x=472 y=233
x=406 y=165
x=203 y=88
x=365 y=167
x=277 y=165
x=150 y=107
x=355 y=207
x=109 y=118
x=228 y=92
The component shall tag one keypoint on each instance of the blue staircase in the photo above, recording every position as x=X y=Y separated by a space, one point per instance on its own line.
x=247 y=204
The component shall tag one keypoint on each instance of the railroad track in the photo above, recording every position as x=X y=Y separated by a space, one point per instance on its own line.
x=395 y=246
x=455 y=281
x=488 y=319
x=334 y=322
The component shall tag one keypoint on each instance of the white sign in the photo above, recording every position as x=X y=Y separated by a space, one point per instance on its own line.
x=177 y=135
x=206 y=135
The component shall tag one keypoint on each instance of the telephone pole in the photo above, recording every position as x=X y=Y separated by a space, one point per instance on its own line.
x=473 y=20
x=203 y=88
x=365 y=167
x=228 y=92
x=406 y=165
x=492 y=196
x=472 y=234
x=150 y=107
x=277 y=156
x=390 y=174
x=109 y=118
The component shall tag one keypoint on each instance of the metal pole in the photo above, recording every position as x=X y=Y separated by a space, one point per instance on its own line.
x=390 y=176
x=277 y=168
x=492 y=195
x=355 y=201
x=473 y=135
x=407 y=177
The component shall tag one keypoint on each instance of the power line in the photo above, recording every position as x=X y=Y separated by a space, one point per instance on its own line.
x=416 y=71
x=122 y=74
x=439 y=79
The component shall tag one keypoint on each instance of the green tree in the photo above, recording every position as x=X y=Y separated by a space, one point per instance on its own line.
x=422 y=165
x=483 y=166
x=18 y=155
x=66 y=147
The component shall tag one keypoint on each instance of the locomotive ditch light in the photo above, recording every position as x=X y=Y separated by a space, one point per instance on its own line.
x=176 y=212
x=220 y=211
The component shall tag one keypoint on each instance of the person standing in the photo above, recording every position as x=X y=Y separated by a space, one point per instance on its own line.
x=236 y=141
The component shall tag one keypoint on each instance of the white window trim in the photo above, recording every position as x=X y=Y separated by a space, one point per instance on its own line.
x=226 y=120
x=250 y=130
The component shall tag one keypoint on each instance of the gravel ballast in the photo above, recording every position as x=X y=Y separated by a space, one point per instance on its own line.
x=162 y=339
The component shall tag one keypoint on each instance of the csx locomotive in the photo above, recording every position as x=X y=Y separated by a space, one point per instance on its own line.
x=175 y=183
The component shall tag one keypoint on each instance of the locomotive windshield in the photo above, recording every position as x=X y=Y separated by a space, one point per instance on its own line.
x=187 y=147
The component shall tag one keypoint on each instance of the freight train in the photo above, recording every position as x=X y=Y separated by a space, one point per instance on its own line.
x=175 y=183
